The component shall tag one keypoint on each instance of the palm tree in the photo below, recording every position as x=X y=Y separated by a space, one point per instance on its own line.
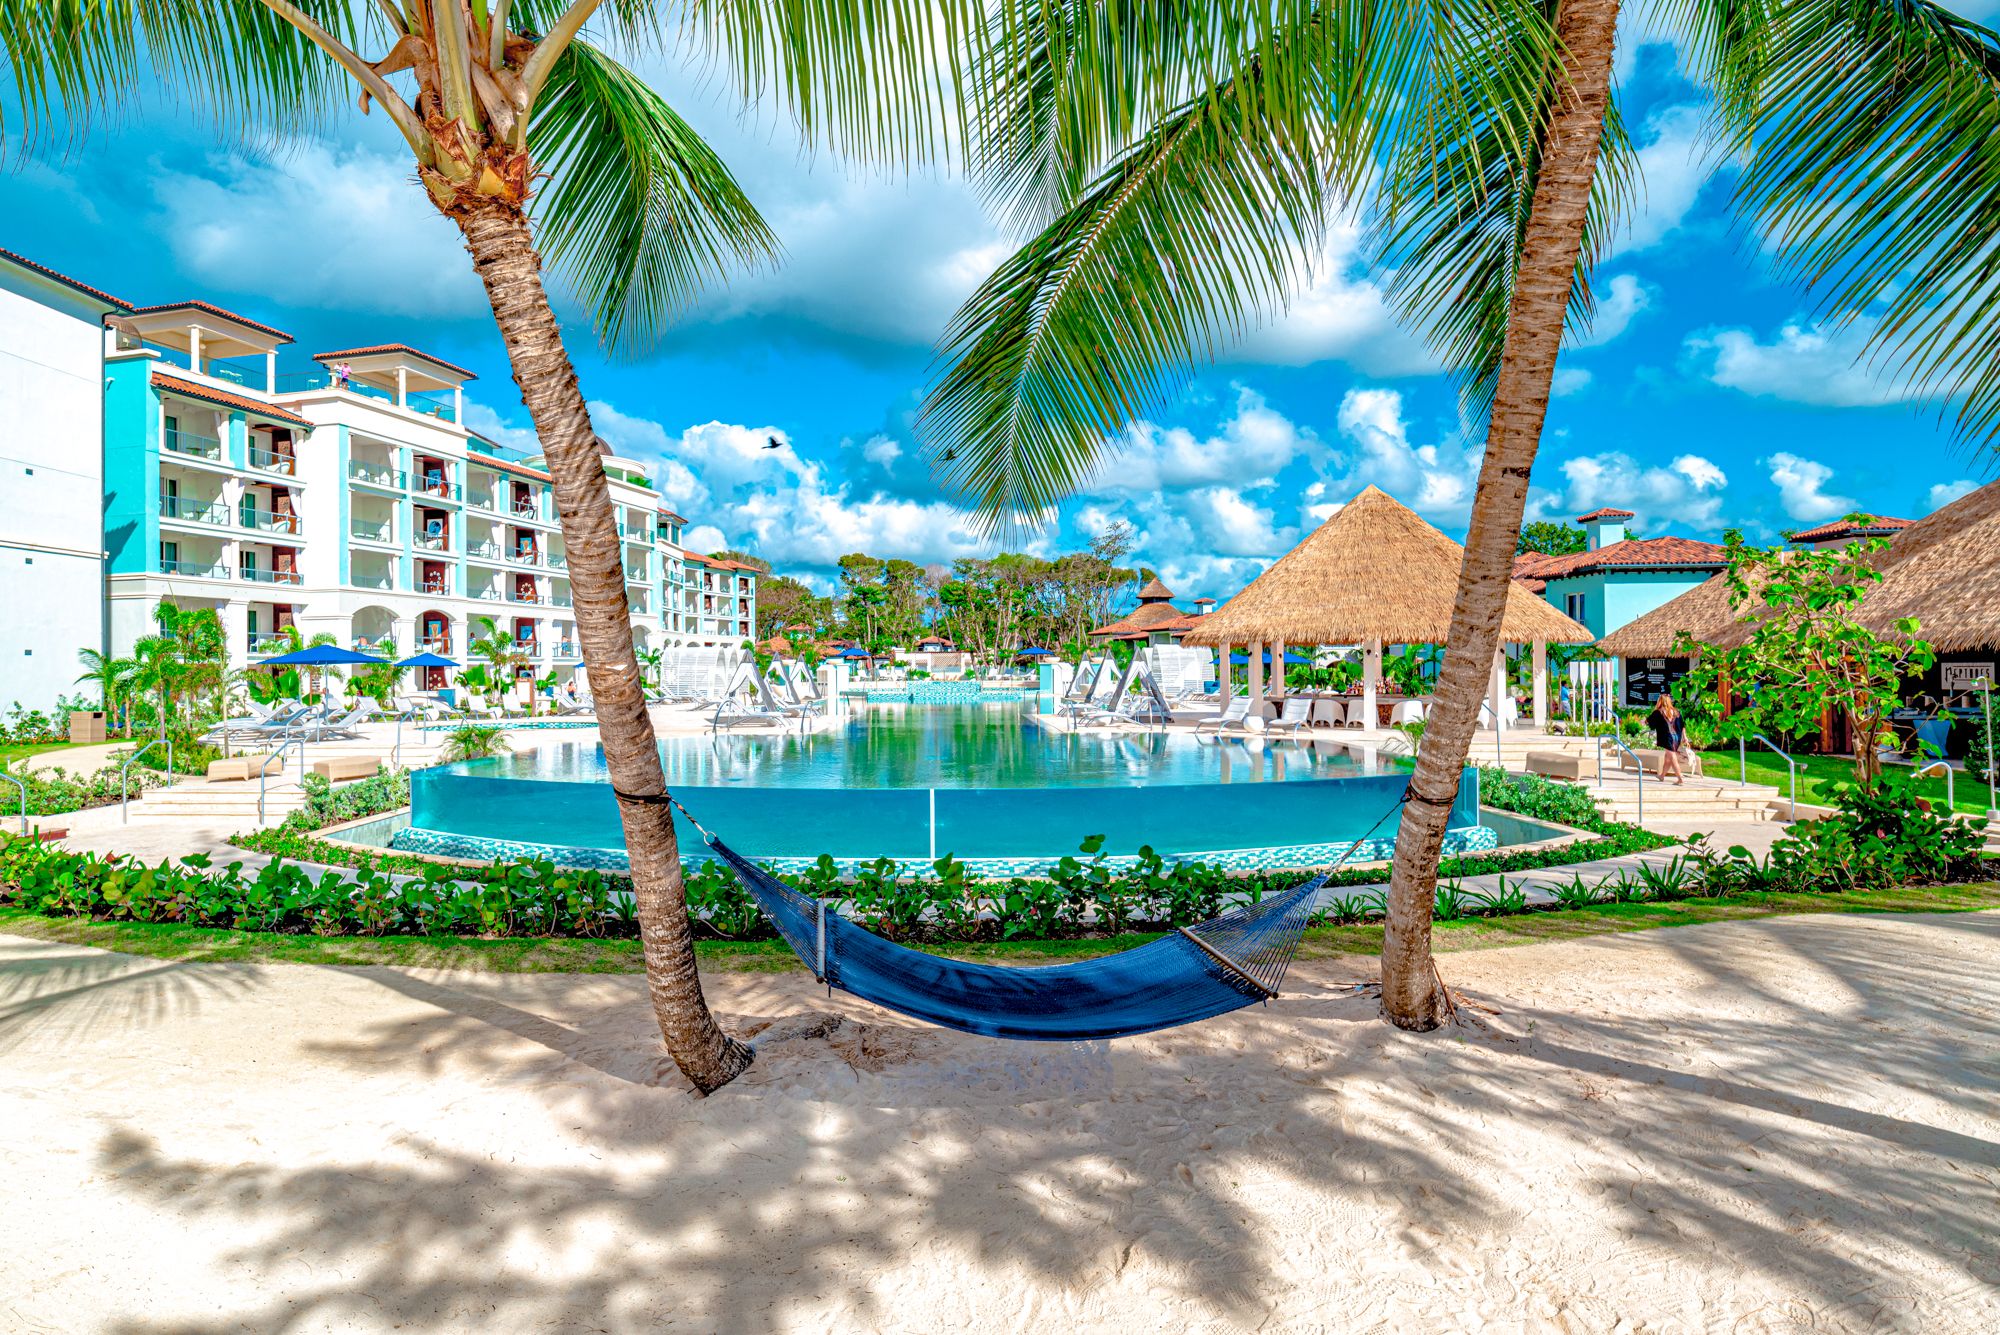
x=1180 y=175
x=110 y=675
x=492 y=96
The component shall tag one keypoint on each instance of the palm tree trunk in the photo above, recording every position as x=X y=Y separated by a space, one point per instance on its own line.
x=497 y=234
x=1554 y=236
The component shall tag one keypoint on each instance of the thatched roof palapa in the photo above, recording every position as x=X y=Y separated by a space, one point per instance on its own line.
x=1374 y=571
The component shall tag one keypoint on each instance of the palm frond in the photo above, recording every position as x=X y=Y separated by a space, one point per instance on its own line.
x=1456 y=199
x=640 y=213
x=73 y=62
x=1206 y=220
x=1874 y=172
x=879 y=79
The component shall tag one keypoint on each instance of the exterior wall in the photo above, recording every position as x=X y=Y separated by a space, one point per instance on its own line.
x=52 y=470
x=1616 y=598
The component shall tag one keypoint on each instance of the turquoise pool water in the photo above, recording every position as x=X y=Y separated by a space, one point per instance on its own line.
x=913 y=782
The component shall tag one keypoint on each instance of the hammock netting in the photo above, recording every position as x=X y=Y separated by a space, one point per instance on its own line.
x=1167 y=982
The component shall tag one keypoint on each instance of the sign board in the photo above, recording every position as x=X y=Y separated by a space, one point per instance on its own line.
x=1646 y=679
x=1957 y=677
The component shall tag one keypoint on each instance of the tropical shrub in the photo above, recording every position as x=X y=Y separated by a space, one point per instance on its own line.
x=327 y=805
x=52 y=791
x=1538 y=798
x=474 y=741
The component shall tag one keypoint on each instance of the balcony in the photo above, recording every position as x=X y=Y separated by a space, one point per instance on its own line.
x=486 y=501
x=363 y=531
x=273 y=643
x=187 y=443
x=257 y=575
x=377 y=581
x=566 y=649
x=526 y=596
x=194 y=569
x=190 y=511
x=490 y=595
x=435 y=486
x=269 y=521
x=374 y=474
x=266 y=461
x=527 y=510
x=437 y=644
x=433 y=542
x=484 y=551
x=527 y=557
x=557 y=561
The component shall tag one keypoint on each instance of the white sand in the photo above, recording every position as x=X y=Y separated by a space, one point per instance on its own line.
x=1779 y=1126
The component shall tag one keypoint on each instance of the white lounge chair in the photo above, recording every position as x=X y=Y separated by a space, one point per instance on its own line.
x=1294 y=716
x=1410 y=711
x=1235 y=717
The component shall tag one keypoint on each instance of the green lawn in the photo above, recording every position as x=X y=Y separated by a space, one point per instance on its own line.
x=1816 y=773
x=167 y=941
x=11 y=752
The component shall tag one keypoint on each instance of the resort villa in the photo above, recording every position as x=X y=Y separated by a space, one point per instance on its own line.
x=348 y=498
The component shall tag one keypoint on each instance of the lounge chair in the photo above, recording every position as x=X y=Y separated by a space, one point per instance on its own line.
x=1235 y=717
x=730 y=715
x=1294 y=716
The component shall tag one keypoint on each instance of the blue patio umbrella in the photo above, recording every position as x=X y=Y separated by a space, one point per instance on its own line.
x=322 y=655
x=1035 y=651
x=1243 y=660
x=854 y=651
x=427 y=659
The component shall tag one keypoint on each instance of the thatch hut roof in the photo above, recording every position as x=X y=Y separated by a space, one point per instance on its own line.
x=1703 y=612
x=1374 y=571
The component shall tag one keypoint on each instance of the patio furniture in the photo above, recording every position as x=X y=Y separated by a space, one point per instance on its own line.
x=1235 y=717
x=1294 y=716
x=1555 y=765
x=1408 y=711
x=241 y=769
x=335 y=768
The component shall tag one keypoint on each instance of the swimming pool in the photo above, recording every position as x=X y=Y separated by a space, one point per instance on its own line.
x=983 y=782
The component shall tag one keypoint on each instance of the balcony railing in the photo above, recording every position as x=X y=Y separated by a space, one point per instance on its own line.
x=186 y=442
x=257 y=575
x=434 y=542
x=374 y=474
x=566 y=649
x=437 y=644
x=191 y=511
x=484 y=551
x=268 y=461
x=432 y=485
x=304 y=380
x=527 y=510
x=437 y=586
x=269 y=521
x=361 y=644
x=486 y=501
x=364 y=531
x=525 y=557
x=557 y=561
x=490 y=595
x=270 y=644
x=194 y=569
x=382 y=581
x=525 y=596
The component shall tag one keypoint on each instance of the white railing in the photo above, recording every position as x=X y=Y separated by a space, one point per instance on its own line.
x=1743 y=768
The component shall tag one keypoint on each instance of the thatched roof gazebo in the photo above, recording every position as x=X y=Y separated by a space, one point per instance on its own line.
x=1944 y=570
x=1155 y=614
x=1374 y=573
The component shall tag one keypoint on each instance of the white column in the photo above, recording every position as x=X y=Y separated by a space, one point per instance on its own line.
x=458 y=404
x=1496 y=689
x=1278 y=669
x=236 y=632
x=1540 y=652
x=402 y=387
x=1371 y=681
x=1256 y=669
x=270 y=373
x=194 y=348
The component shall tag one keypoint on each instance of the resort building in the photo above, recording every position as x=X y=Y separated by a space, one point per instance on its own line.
x=1617 y=579
x=1154 y=621
x=52 y=464
x=166 y=456
x=1842 y=532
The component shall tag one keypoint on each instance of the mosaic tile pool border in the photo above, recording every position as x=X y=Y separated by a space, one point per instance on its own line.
x=516 y=724
x=936 y=692
x=437 y=843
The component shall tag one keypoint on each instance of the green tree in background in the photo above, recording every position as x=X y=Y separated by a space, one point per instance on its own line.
x=1552 y=539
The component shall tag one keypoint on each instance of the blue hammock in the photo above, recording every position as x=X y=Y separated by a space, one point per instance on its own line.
x=1191 y=974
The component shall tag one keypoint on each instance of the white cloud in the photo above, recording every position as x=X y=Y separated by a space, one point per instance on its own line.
x=1805 y=363
x=1249 y=451
x=334 y=227
x=1569 y=380
x=1944 y=493
x=1621 y=301
x=1673 y=167
x=1342 y=316
x=776 y=503
x=1685 y=495
x=1801 y=487
x=501 y=432
x=1435 y=480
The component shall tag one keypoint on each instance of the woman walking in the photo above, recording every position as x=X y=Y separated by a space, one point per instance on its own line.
x=1670 y=731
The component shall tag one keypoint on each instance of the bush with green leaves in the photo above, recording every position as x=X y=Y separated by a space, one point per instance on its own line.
x=53 y=791
x=327 y=805
x=1539 y=798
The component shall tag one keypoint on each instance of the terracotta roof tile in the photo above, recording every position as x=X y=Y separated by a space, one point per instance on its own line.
x=393 y=347
x=506 y=465
x=1605 y=513
x=224 y=398
x=63 y=278
x=212 y=309
x=1632 y=553
x=1841 y=528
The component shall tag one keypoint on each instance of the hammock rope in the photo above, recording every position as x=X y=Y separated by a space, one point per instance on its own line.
x=1193 y=973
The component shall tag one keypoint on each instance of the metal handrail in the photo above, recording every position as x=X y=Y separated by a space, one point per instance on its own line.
x=264 y=770
x=1637 y=764
x=125 y=815
x=1743 y=767
x=1950 y=796
x=22 y=785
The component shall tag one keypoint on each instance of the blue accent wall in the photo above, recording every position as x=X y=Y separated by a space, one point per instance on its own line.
x=131 y=467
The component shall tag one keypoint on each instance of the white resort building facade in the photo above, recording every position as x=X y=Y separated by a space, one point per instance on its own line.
x=347 y=499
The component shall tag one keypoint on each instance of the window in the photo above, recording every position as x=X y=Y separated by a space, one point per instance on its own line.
x=170 y=552
x=1573 y=604
x=247 y=562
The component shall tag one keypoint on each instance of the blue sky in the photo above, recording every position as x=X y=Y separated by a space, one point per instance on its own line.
x=1706 y=396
